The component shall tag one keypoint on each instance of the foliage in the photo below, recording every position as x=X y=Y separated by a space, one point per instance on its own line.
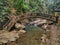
x=41 y=6
x=53 y=5
x=24 y=5
x=19 y=5
x=4 y=10
x=36 y=6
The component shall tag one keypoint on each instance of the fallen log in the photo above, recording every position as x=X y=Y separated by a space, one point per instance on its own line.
x=12 y=20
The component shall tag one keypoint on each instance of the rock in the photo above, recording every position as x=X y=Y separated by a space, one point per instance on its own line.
x=4 y=40
x=45 y=26
x=22 y=31
x=9 y=36
x=12 y=39
x=18 y=25
x=39 y=22
x=43 y=38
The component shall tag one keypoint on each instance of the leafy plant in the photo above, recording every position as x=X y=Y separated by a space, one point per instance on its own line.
x=41 y=6
x=19 y=5
x=4 y=10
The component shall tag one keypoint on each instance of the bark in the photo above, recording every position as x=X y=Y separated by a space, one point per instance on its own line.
x=13 y=20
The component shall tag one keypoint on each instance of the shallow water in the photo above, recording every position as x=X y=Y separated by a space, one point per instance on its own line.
x=32 y=37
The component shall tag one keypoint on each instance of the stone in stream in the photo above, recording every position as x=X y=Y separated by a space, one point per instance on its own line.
x=8 y=37
x=39 y=22
x=21 y=31
x=18 y=26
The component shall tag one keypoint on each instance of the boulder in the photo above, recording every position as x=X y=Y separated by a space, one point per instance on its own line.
x=18 y=25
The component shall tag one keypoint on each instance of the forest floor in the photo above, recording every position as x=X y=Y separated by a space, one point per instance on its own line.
x=37 y=36
x=33 y=37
